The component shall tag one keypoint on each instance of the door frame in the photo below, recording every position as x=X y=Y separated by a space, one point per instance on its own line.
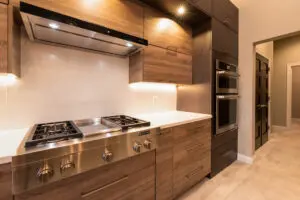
x=289 y=79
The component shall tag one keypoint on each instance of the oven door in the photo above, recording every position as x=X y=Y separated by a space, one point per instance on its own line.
x=227 y=82
x=226 y=113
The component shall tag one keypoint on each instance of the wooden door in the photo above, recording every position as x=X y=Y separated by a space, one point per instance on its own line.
x=3 y=38
x=262 y=101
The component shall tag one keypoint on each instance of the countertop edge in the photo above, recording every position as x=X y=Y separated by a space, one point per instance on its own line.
x=184 y=122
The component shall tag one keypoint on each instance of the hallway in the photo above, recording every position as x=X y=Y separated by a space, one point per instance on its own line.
x=274 y=175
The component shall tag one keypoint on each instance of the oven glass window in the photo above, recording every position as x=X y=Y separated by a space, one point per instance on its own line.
x=227 y=112
x=227 y=82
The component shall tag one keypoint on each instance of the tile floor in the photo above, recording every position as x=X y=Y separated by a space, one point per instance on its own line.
x=274 y=175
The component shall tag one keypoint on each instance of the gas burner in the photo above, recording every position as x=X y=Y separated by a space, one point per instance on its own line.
x=125 y=122
x=53 y=132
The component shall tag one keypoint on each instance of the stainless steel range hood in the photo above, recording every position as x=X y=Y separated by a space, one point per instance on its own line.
x=54 y=28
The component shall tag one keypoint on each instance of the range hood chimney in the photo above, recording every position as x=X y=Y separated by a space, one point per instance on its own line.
x=54 y=28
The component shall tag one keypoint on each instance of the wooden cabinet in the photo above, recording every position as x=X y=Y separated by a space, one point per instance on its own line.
x=226 y=12
x=133 y=178
x=155 y=64
x=192 y=154
x=203 y=5
x=224 y=39
x=4 y=1
x=3 y=38
x=5 y=182
x=164 y=165
x=163 y=32
x=123 y=16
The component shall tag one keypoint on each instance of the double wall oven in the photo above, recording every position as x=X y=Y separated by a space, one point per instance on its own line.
x=227 y=78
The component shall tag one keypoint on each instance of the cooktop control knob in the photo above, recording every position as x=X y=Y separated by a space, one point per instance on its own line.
x=66 y=164
x=45 y=172
x=107 y=155
x=147 y=144
x=137 y=147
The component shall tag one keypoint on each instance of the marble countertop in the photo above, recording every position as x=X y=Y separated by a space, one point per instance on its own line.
x=11 y=139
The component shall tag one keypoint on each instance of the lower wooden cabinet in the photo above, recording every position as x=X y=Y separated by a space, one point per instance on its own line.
x=5 y=182
x=130 y=179
x=183 y=158
x=155 y=64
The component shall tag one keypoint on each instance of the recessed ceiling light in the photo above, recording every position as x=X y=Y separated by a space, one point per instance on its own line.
x=181 y=10
x=128 y=44
x=54 y=25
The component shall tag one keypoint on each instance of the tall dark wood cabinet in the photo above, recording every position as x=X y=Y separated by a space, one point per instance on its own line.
x=217 y=38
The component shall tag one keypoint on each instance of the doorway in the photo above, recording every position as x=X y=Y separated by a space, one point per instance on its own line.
x=262 y=101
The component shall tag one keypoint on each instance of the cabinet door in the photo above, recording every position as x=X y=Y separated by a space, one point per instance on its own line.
x=166 y=33
x=192 y=154
x=120 y=15
x=203 y=5
x=3 y=38
x=5 y=182
x=164 y=165
x=224 y=39
x=227 y=13
x=4 y=1
x=162 y=65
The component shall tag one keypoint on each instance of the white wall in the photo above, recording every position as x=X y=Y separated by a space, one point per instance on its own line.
x=259 y=20
x=60 y=83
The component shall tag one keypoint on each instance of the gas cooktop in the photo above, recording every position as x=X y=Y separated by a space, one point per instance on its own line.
x=125 y=122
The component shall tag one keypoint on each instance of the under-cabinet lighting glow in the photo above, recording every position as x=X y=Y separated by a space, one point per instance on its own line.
x=128 y=44
x=163 y=24
x=166 y=87
x=7 y=79
x=181 y=10
x=54 y=25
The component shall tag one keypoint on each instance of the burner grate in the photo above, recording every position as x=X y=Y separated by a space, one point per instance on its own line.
x=125 y=122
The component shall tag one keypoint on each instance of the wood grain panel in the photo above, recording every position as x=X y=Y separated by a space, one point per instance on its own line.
x=203 y=5
x=3 y=38
x=164 y=165
x=4 y=1
x=5 y=182
x=166 y=33
x=120 y=15
x=136 y=67
x=161 y=65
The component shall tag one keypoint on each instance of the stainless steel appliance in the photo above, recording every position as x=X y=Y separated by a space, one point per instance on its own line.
x=227 y=78
x=55 y=28
x=124 y=121
x=226 y=113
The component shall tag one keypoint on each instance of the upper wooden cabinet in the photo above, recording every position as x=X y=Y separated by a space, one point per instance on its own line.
x=163 y=32
x=203 y=5
x=3 y=37
x=224 y=40
x=155 y=64
x=227 y=13
x=4 y=1
x=121 y=15
x=5 y=182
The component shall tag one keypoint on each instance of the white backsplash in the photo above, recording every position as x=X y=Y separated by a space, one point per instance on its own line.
x=61 y=83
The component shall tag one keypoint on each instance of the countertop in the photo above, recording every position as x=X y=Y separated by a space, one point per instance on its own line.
x=11 y=139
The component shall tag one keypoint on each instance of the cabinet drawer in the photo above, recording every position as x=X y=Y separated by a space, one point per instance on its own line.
x=227 y=13
x=4 y=1
x=5 y=182
x=123 y=16
x=224 y=39
x=138 y=185
x=186 y=177
x=162 y=65
x=3 y=37
x=163 y=32
x=203 y=5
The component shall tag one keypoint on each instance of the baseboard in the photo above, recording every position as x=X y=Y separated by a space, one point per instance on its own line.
x=295 y=119
x=245 y=159
x=278 y=128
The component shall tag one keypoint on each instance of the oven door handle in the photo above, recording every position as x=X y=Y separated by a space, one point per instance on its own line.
x=228 y=96
x=226 y=73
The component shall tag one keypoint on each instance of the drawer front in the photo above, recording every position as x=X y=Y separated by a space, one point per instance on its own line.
x=203 y=5
x=164 y=165
x=224 y=138
x=5 y=182
x=123 y=16
x=227 y=13
x=4 y=1
x=3 y=37
x=224 y=39
x=138 y=185
x=162 y=65
x=163 y=32
x=185 y=178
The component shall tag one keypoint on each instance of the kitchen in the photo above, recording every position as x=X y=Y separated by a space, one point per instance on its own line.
x=83 y=91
